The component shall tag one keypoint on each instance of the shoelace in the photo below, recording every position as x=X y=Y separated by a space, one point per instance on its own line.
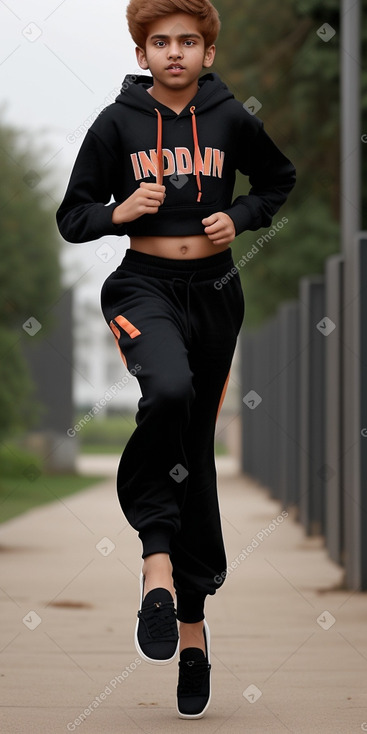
x=192 y=676
x=160 y=620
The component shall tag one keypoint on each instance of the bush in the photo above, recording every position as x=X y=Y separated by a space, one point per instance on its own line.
x=16 y=462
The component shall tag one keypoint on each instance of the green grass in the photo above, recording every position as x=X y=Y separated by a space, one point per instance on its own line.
x=24 y=484
x=110 y=434
x=220 y=449
x=96 y=448
x=19 y=494
x=113 y=430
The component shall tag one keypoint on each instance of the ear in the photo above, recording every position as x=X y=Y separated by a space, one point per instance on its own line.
x=209 y=56
x=141 y=58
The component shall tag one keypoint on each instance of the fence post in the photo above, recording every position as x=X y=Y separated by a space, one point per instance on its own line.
x=253 y=439
x=312 y=401
x=258 y=412
x=355 y=407
x=247 y=370
x=289 y=361
x=334 y=422
x=273 y=393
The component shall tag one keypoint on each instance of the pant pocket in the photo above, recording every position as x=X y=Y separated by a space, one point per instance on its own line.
x=126 y=325
x=119 y=326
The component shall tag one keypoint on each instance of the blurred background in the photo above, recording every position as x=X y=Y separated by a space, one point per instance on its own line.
x=289 y=418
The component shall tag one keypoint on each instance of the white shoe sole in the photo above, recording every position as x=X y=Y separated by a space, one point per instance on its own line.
x=199 y=716
x=152 y=661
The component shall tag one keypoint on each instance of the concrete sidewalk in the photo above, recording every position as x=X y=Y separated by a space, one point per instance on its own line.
x=289 y=654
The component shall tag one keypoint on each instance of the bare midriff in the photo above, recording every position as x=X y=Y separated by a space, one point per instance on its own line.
x=178 y=248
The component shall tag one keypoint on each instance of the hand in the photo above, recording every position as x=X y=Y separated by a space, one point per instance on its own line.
x=145 y=200
x=220 y=229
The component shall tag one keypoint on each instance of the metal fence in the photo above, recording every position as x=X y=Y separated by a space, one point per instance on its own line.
x=304 y=412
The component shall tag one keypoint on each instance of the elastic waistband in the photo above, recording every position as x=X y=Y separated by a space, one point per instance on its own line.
x=163 y=267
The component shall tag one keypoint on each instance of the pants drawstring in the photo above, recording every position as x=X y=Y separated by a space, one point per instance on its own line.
x=187 y=308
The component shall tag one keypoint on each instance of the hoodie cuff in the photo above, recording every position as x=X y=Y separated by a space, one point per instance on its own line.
x=242 y=217
x=103 y=224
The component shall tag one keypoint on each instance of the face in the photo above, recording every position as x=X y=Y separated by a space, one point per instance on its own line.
x=175 y=51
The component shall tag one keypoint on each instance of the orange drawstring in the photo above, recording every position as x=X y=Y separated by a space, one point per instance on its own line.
x=197 y=157
x=159 y=176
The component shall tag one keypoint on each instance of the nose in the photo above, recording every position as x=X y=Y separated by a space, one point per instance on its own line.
x=174 y=51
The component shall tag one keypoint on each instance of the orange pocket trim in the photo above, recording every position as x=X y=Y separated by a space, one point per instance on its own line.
x=116 y=334
x=127 y=326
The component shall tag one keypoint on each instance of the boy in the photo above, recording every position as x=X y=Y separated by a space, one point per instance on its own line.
x=167 y=151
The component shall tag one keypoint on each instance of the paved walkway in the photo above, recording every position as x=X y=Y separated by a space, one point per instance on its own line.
x=289 y=653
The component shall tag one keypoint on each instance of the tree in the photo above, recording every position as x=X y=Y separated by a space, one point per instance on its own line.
x=29 y=270
x=272 y=51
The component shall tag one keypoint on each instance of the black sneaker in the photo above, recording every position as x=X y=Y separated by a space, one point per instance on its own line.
x=156 y=633
x=193 y=690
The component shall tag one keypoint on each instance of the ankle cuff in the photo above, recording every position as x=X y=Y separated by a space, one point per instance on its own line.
x=155 y=541
x=190 y=607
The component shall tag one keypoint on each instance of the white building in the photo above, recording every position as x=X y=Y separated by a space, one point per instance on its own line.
x=98 y=366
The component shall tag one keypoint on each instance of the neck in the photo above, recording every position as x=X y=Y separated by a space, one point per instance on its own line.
x=176 y=99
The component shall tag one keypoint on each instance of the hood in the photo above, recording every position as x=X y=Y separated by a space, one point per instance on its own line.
x=212 y=92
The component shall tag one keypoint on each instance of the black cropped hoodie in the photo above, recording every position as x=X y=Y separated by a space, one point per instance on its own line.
x=194 y=154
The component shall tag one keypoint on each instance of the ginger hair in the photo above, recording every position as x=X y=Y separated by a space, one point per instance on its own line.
x=140 y=13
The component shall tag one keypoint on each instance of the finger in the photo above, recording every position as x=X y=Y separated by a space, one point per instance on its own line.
x=223 y=241
x=150 y=209
x=214 y=228
x=152 y=186
x=209 y=220
x=155 y=196
x=152 y=203
x=222 y=236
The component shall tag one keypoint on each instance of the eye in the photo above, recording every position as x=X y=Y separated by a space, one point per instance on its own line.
x=189 y=43
x=160 y=44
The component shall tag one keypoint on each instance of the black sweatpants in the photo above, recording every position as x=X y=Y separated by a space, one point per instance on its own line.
x=176 y=325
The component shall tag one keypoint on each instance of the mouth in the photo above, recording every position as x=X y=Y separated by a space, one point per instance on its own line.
x=175 y=68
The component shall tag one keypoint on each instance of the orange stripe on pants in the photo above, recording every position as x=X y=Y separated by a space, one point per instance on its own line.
x=223 y=395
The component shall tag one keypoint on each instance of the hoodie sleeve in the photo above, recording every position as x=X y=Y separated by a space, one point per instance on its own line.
x=85 y=213
x=271 y=176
